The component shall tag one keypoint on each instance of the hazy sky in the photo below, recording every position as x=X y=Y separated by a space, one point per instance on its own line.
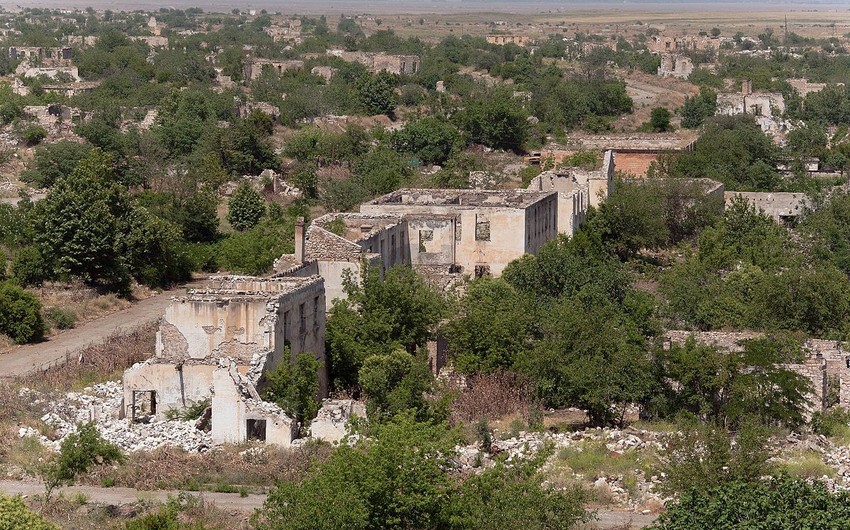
x=431 y=6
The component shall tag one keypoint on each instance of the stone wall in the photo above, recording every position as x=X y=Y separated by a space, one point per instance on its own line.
x=826 y=362
x=781 y=206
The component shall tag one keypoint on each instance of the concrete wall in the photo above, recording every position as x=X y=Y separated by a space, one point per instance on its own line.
x=216 y=327
x=432 y=240
x=176 y=386
x=231 y=412
x=781 y=206
x=541 y=223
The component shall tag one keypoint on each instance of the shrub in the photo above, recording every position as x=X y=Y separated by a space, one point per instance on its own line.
x=60 y=318
x=20 y=314
x=831 y=422
x=29 y=267
x=32 y=134
x=294 y=388
x=14 y=515
x=78 y=452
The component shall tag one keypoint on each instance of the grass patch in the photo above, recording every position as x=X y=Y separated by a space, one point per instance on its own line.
x=807 y=464
x=594 y=460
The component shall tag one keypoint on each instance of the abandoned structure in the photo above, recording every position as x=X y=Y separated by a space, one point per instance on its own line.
x=664 y=44
x=577 y=189
x=253 y=68
x=767 y=107
x=783 y=207
x=501 y=40
x=673 y=65
x=217 y=342
x=473 y=231
x=825 y=363
x=378 y=62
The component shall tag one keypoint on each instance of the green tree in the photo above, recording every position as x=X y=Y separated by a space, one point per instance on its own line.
x=78 y=452
x=28 y=267
x=698 y=108
x=379 y=315
x=377 y=94
x=430 y=139
x=494 y=326
x=295 y=387
x=381 y=171
x=154 y=250
x=245 y=208
x=20 y=314
x=394 y=383
x=731 y=388
x=512 y=496
x=704 y=456
x=497 y=120
x=80 y=224
x=393 y=479
x=781 y=503
x=14 y=515
x=659 y=120
x=54 y=161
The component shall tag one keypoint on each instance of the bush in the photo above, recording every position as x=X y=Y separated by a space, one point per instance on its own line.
x=78 y=452
x=60 y=318
x=20 y=314
x=782 y=503
x=14 y=515
x=32 y=134
x=294 y=388
x=831 y=422
x=29 y=267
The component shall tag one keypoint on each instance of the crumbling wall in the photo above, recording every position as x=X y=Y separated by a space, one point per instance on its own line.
x=781 y=206
x=826 y=364
x=215 y=327
x=331 y=423
x=432 y=240
x=673 y=65
x=232 y=411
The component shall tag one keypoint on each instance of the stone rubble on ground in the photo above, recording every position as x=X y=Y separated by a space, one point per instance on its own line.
x=101 y=403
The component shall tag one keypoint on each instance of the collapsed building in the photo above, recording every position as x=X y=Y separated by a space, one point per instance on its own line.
x=673 y=65
x=783 y=207
x=379 y=62
x=216 y=343
x=767 y=107
x=501 y=40
x=254 y=67
x=577 y=189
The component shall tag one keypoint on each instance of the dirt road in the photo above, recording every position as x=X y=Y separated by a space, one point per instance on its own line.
x=247 y=505
x=22 y=360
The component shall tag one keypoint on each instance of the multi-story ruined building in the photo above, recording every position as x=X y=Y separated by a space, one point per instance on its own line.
x=475 y=231
x=766 y=107
x=216 y=343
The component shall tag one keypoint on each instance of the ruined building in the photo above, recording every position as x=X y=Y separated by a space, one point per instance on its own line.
x=826 y=364
x=677 y=66
x=378 y=62
x=767 y=107
x=253 y=68
x=501 y=40
x=216 y=343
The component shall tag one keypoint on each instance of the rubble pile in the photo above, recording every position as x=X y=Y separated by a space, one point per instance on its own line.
x=101 y=403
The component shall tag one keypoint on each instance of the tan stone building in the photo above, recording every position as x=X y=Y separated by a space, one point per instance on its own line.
x=501 y=40
x=253 y=68
x=477 y=232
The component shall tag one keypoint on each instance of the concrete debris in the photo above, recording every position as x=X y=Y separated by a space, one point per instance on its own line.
x=101 y=404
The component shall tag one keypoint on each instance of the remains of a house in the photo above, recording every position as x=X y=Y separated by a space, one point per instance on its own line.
x=379 y=62
x=216 y=343
x=824 y=362
x=766 y=107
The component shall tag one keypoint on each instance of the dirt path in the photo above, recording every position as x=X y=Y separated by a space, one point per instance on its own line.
x=234 y=502
x=22 y=360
